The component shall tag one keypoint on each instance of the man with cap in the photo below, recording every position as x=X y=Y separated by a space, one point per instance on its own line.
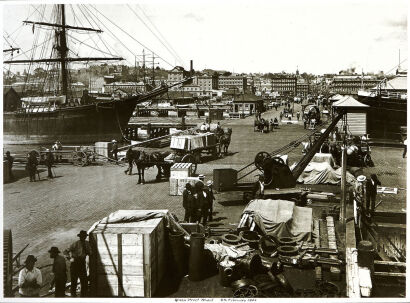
x=10 y=160
x=59 y=272
x=259 y=188
x=49 y=163
x=211 y=198
x=30 y=279
x=115 y=150
x=188 y=202
x=79 y=250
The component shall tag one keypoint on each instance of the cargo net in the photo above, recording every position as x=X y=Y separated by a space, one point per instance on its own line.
x=247 y=173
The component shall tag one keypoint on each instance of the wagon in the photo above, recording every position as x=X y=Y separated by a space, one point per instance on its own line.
x=83 y=156
x=189 y=148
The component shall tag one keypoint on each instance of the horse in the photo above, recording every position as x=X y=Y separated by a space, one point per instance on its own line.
x=145 y=160
x=224 y=141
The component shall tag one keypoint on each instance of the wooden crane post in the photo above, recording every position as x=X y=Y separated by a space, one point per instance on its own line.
x=343 y=187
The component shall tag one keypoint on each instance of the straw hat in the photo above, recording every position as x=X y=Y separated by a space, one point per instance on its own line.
x=361 y=178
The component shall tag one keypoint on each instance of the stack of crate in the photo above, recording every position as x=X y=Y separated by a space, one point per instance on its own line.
x=181 y=174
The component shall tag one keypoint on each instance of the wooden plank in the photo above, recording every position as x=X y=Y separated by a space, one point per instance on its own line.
x=147 y=265
x=389 y=274
x=126 y=250
x=127 y=260
x=352 y=273
x=120 y=278
x=93 y=265
x=390 y=263
x=126 y=270
x=111 y=240
x=133 y=291
x=126 y=280
x=365 y=282
x=316 y=232
x=323 y=234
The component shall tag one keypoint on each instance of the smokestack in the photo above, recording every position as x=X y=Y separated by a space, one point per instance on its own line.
x=191 y=70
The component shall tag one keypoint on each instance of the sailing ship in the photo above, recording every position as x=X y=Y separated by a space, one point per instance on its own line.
x=65 y=117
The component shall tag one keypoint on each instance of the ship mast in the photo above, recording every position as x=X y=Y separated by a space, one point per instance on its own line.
x=62 y=49
x=63 y=52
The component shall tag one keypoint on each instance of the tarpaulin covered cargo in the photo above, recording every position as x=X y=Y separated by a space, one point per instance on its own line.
x=320 y=171
x=281 y=218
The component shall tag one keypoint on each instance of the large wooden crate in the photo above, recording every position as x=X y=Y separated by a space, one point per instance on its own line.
x=181 y=170
x=104 y=149
x=129 y=258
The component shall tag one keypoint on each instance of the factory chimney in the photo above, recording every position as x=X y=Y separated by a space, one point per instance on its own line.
x=191 y=69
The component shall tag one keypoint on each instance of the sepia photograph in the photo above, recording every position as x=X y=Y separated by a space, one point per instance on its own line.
x=230 y=150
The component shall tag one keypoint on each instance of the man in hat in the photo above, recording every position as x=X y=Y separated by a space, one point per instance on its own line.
x=79 y=250
x=115 y=149
x=59 y=272
x=10 y=160
x=30 y=279
x=259 y=188
x=189 y=203
x=58 y=147
x=211 y=198
x=202 y=202
x=31 y=166
x=49 y=163
x=130 y=159
x=371 y=192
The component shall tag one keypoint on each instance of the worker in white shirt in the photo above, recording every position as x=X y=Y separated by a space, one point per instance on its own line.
x=30 y=279
x=203 y=128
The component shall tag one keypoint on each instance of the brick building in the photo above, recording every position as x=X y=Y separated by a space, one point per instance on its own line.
x=227 y=82
x=284 y=84
x=350 y=85
x=206 y=83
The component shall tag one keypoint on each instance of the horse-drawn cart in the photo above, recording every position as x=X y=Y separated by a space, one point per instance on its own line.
x=189 y=148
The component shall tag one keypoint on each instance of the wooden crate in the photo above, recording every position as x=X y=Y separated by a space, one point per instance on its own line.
x=104 y=148
x=129 y=258
x=181 y=170
x=173 y=186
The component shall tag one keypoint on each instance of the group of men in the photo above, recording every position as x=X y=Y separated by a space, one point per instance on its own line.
x=197 y=201
x=30 y=277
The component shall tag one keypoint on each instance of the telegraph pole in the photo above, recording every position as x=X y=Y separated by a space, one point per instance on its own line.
x=143 y=64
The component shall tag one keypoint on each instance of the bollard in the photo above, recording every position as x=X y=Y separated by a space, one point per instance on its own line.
x=196 y=256
x=365 y=256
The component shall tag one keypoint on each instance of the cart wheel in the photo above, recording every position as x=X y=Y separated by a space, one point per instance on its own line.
x=190 y=159
x=7 y=263
x=79 y=158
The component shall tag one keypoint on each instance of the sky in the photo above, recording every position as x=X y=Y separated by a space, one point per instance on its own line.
x=241 y=36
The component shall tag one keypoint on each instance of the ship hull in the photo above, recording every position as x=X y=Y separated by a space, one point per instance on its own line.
x=80 y=124
x=385 y=116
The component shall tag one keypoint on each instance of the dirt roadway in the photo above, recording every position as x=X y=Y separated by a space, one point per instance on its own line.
x=51 y=212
